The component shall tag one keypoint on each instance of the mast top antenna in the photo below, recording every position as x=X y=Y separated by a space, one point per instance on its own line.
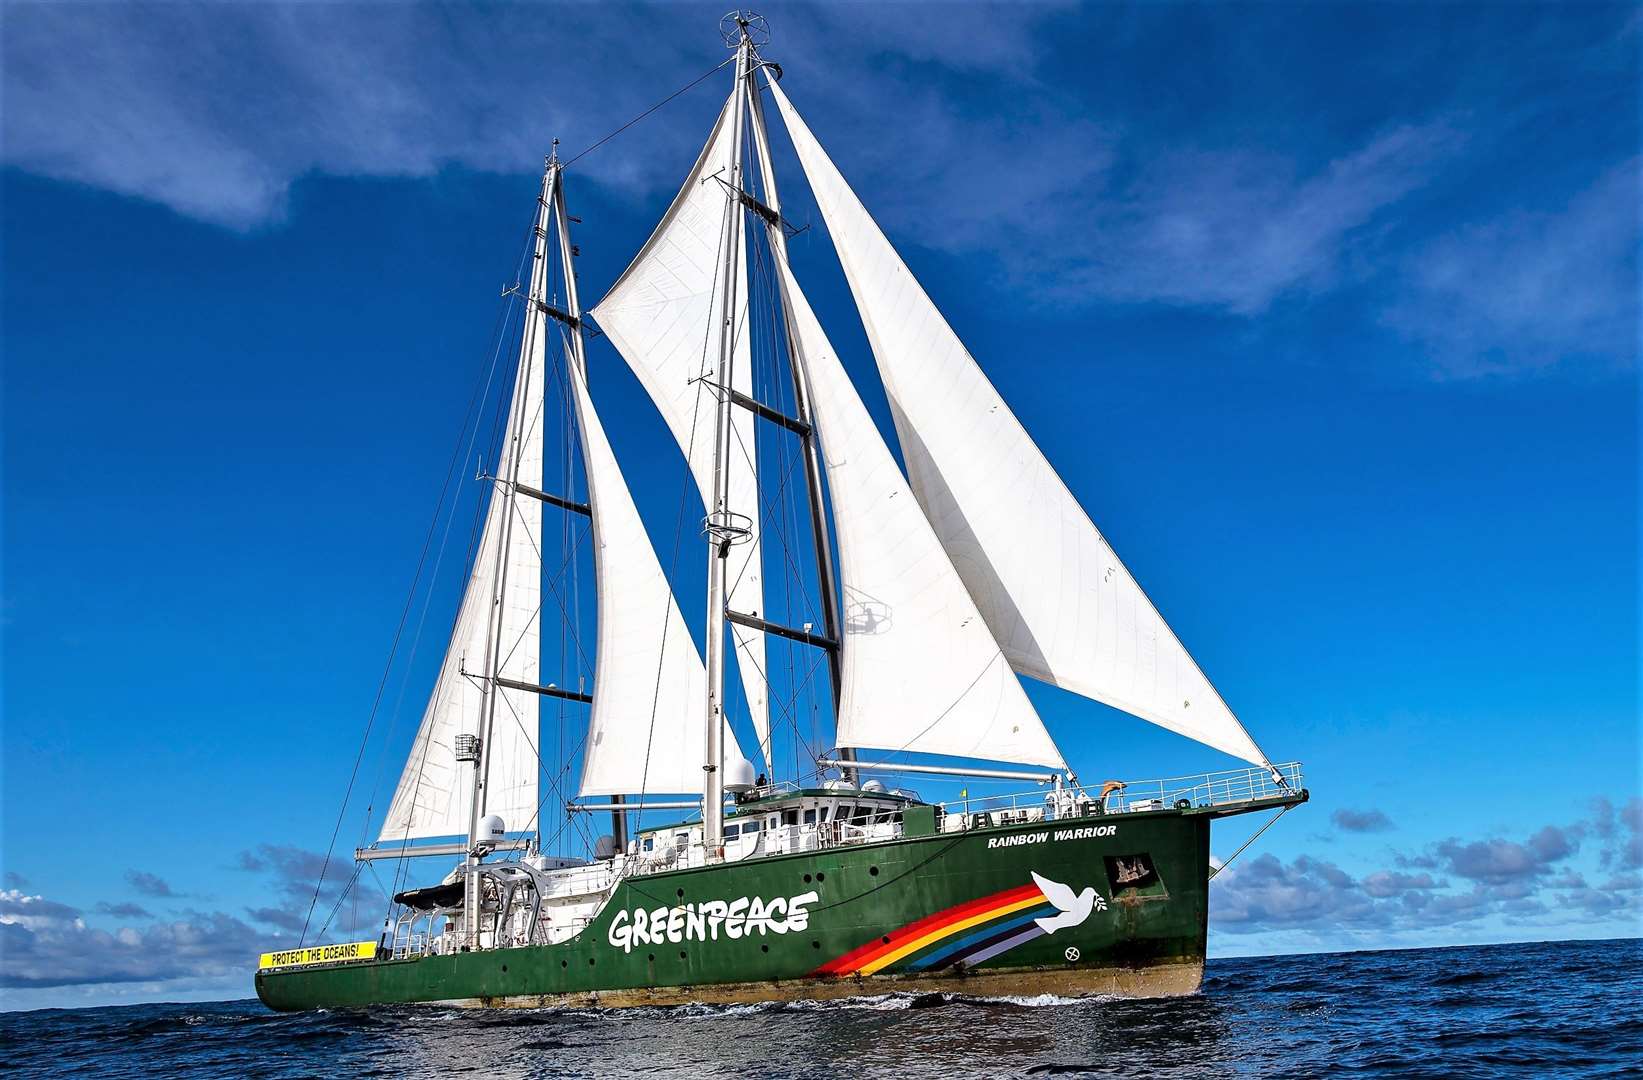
x=739 y=24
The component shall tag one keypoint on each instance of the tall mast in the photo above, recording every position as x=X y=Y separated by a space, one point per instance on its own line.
x=822 y=540
x=505 y=489
x=578 y=354
x=721 y=525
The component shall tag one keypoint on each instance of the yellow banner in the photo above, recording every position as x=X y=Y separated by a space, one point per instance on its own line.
x=319 y=954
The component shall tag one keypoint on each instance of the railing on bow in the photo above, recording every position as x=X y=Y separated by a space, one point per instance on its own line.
x=1206 y=789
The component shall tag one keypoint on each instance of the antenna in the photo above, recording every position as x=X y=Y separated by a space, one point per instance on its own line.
x=736 y=24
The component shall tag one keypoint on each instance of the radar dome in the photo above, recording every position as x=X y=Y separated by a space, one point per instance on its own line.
x=739 y=776
x=874 y=786
x=491 y=830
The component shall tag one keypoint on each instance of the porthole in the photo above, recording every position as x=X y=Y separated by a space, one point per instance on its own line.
x=681 y=954
x=762 y=948
x=807 y=879
x=821 y=877
x=590 y=961
x=885 y=939
x=873 y=870
x=815 y=944
x=564 y=963
x=504 y=969
x=681 y=894
x=652 y=957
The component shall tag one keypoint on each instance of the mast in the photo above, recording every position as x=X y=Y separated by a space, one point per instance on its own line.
x=721 y=525
x=826 y=574
x=578 y=357
x=506 y=489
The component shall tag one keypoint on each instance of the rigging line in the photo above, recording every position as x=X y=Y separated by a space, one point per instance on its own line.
x=458 y=454
x=1270 y=822
x=343 y=895
x=476 y=532
x=786 y=713
x=535 y=750
x=688 y=86
x=475 y=536
x=382 y=684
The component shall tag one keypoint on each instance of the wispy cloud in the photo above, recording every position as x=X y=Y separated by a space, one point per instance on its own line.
x=216 y=111
x=955 y=137
x=1236 y=229
x=1529 y=289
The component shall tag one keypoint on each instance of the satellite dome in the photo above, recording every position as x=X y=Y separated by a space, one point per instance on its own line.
x=739 y=776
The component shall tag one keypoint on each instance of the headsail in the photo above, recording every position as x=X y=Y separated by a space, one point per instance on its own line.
x=1060 y=603
x=661 y=315
x=646 y=731
x=921 y=671
x=435 y=792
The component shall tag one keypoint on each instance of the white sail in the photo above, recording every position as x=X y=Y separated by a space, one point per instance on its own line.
x=647 y=731
x=661 y=315
x=435 y=792
x=1060 y=603
x=919 y=669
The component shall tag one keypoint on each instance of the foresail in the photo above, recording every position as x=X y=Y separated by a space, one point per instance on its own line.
x=435 y=792
x=920 y=671
x=1060 y=603
x=647 y=730
x=660 y=315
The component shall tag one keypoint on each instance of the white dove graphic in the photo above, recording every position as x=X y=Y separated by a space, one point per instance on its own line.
x=1075 y=908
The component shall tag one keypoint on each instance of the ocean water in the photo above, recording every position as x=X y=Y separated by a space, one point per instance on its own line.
x=1564 y=1009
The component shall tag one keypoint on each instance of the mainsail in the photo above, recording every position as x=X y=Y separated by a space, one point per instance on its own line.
x=921 y=671
x=660 y=315
x=1059 y=601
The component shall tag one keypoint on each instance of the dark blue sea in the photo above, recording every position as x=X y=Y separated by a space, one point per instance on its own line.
x=1563 y=1009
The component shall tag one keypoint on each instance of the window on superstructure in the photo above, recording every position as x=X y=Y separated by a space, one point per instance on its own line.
x=732 y=831
x=810 y=817
x=790 y=817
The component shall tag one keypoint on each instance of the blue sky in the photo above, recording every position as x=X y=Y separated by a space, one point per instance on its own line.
x=1329 y=315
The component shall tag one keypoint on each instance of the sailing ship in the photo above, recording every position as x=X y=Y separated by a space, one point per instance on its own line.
x=939 y=588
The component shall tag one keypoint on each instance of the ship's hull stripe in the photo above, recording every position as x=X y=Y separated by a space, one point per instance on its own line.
x=923 y=933
x=957 y=952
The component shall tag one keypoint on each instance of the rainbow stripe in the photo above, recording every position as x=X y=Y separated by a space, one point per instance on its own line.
x=970 y=932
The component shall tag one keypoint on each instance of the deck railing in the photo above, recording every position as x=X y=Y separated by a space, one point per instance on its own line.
x=1227 y=788
x=1207 y=789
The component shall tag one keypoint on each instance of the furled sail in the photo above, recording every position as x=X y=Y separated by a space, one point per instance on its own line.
x=920 y=670
x=661 y=315
x=647 y=730
x=435 y=792
x=1060 y=603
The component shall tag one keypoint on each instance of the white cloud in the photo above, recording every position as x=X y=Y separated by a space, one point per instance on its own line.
x=215 y=111
x=1236 y=229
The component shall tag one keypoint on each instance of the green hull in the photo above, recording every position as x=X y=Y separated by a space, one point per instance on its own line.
x=942 y=911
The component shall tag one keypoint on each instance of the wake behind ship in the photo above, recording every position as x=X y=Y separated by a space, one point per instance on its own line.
x=923 y=596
